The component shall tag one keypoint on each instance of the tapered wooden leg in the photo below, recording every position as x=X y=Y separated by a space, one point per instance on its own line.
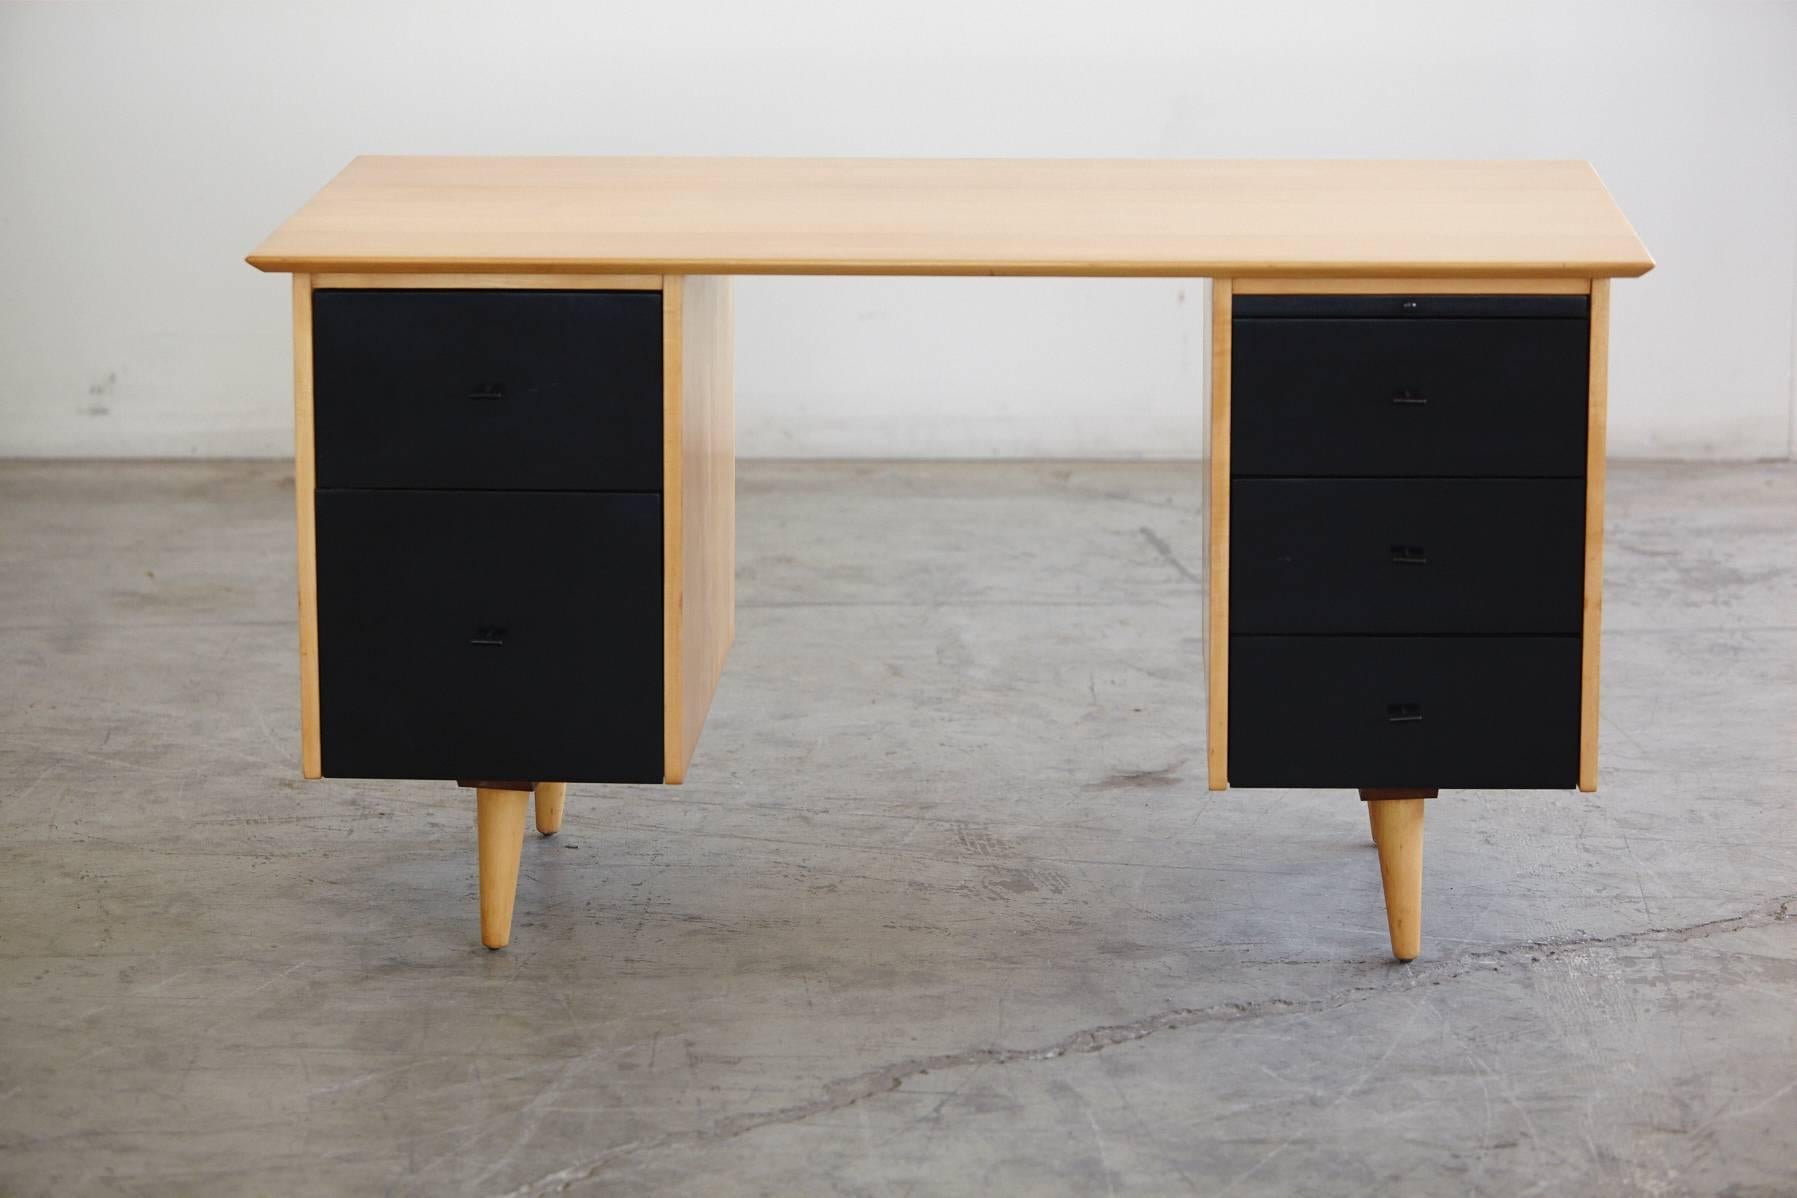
x=1398 y=831
x=1368 y=794
x=550 y=798
x=499 y=828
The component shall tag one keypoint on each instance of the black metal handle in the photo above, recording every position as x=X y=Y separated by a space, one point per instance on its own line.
x=487 y=635
x=487 y=391
x=1409 y=396
x=1409 y=555
x=1404 y=713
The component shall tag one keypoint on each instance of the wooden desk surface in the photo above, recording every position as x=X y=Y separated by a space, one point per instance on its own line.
x=1168 y=217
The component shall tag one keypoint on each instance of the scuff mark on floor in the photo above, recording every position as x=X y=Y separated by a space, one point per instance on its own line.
x=1166 y=551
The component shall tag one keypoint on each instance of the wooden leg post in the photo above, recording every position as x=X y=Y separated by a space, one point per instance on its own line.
x=551 y=797
x=1397 y=820
x=499 y=828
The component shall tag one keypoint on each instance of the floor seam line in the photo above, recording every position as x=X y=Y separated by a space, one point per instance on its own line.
x=845 y=1093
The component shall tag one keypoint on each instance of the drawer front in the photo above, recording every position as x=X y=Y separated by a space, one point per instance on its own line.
x=1405 y=556
x=490 y=635
x=1382 y=396
x=522 y=390
x=1481 y=713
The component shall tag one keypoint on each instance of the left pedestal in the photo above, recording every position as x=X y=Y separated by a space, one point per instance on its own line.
x=515 y=507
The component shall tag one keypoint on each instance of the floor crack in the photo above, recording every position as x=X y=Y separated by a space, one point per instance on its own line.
x=845 y=1092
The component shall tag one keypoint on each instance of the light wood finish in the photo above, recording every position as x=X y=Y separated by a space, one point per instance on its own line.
x=1216 y=639
x=698 y=506
x=1415 y=286
x=551 y=798
x=1398 y=831
x=1166 y=217
x=371 y=281
x=305 y=474
x=499 y=832
x=1369 y=795
x=1596 y=433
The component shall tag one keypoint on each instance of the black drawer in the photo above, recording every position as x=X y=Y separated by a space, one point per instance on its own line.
x=524 y=390
x=499 y=635
x=1385 y=396
x=1406 y=555
x=1481 y=713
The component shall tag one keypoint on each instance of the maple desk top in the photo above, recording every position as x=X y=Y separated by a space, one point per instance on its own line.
x=867 y=216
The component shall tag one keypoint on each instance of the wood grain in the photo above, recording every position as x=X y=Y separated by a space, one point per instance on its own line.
x=305 y=475
x=699 y=506
x=1596 y=435
x=446 y=281
x=1167 y=217
x=1412 y=286
x=1216 y=639
x=1398 y=831
x=499 y=841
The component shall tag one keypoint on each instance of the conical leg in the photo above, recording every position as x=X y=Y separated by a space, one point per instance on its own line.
x=499 y=829
x=1398 y=831
x=551 y=796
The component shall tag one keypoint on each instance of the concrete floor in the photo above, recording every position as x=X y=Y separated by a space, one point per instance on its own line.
x=945 y=909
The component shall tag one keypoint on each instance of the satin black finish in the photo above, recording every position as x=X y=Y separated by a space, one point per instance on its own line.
x=523 y=390
x=1378 y=397
x=1406 y=556
x=1349 y=712
x=490 y=635
x=1413 y=307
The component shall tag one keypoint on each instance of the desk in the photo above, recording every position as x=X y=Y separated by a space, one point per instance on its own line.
x=514 y=455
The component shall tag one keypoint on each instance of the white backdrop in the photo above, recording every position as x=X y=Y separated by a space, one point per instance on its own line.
x=145 y=149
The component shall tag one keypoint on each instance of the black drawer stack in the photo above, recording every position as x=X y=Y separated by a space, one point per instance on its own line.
x=489 y=533
x=1407 y=507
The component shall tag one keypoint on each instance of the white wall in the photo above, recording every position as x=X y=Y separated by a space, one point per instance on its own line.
x=145 y=149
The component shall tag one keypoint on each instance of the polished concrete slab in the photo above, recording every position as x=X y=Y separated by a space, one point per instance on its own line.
x=946 y=907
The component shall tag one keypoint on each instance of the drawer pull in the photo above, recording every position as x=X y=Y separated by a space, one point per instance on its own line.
x=1409 y=396
x=487 y=635
x=1404 y=713
x=1409 y=555
x=487 y=391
